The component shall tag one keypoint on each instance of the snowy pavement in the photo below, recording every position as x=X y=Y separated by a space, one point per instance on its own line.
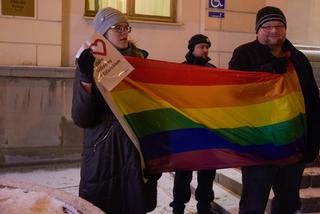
x=67 y=179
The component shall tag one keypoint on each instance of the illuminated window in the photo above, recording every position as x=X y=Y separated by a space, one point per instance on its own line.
x=145 y=10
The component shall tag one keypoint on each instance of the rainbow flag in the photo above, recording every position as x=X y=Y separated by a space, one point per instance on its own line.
x=190 y=117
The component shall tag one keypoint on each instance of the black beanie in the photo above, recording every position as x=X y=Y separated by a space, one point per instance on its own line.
x=196 y=39
x=267 y=14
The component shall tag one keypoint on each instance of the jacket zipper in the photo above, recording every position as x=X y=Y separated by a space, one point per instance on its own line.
x=104 y=137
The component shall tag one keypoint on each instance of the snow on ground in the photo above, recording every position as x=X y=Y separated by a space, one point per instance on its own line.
x=17 y=201
x=68 y=180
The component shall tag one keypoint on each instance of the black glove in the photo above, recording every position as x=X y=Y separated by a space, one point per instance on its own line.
x=277 y=66
x=152 y=176
x=85 y=62
x=280 y=65
x=267 y=68
x=310 y=154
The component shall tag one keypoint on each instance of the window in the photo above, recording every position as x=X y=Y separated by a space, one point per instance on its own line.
x=145 y=10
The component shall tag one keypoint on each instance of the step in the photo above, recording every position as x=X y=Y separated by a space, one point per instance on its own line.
x=230 y=179
x=310 y=200
x=311 y=177
x=310 y=197
x=225 y=201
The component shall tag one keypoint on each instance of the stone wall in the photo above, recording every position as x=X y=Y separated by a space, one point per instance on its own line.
x=35 y=122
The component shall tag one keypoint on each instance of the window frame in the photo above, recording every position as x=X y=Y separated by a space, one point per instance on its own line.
x=90 y=13
x=130 y=13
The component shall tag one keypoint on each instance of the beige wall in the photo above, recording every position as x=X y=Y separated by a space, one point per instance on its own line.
x=35 y=40
x=169 y=42
x=56 y=32
x=162 y=41
x=236 y=28
x=304 y=22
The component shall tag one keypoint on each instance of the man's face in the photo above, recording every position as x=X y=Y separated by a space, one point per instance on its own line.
x=201 y=50
x=272 y=34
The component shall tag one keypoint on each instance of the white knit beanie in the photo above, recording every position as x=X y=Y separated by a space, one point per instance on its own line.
x=107 y=17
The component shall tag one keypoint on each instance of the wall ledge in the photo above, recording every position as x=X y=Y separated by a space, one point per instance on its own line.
x=37 y=72
x=311 y=51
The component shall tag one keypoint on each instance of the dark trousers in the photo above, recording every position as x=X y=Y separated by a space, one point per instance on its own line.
x=257 y=182
x=182 y=191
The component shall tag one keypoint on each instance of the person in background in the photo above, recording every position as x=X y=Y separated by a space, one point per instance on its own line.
x=272 y=52
x=197 y=55
x=111 y=174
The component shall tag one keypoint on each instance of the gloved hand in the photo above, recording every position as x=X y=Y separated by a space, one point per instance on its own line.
x=267 y=68
x=310 y=154
x=280 y=65
x=85 y=62
x=277 y=66
x=151 y=176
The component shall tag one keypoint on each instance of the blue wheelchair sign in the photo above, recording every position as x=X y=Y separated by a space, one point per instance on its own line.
x=213 y=14
x=218 y=4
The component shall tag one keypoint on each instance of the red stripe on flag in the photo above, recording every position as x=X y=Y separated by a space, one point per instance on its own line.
x=160 y=72
x=212 y=159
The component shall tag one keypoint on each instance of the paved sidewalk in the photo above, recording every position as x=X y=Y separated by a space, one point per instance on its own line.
x=67 y=179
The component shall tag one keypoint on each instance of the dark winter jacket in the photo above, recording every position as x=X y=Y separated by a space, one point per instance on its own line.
x=191 y=59
x=254 y=56
x=111 y=175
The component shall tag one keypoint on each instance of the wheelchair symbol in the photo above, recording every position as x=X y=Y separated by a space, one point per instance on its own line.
x=216 y=3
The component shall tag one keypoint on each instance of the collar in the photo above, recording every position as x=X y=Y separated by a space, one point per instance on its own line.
x=191 y=59
x=286 y=47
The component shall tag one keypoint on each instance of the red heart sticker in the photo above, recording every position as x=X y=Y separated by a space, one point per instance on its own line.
x=98 y=47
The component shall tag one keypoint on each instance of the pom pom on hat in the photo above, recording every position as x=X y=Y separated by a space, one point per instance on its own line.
x=106 y=18
x=267 y=14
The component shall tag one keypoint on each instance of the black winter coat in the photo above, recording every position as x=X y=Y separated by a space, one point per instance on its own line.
x=191 y=59
x=254 y=56
x=111 y=175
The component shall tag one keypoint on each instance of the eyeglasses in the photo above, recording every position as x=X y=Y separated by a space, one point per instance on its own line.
x=121 y=28
x=270 y=27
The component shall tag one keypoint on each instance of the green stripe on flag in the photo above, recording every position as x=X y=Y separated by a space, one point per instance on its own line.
x=160 y=120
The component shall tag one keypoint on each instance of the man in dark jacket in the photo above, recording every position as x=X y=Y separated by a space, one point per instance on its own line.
x=272 y=52
x=197 y=55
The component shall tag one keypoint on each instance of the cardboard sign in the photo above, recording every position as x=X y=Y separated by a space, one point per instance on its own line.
x=110 y=66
